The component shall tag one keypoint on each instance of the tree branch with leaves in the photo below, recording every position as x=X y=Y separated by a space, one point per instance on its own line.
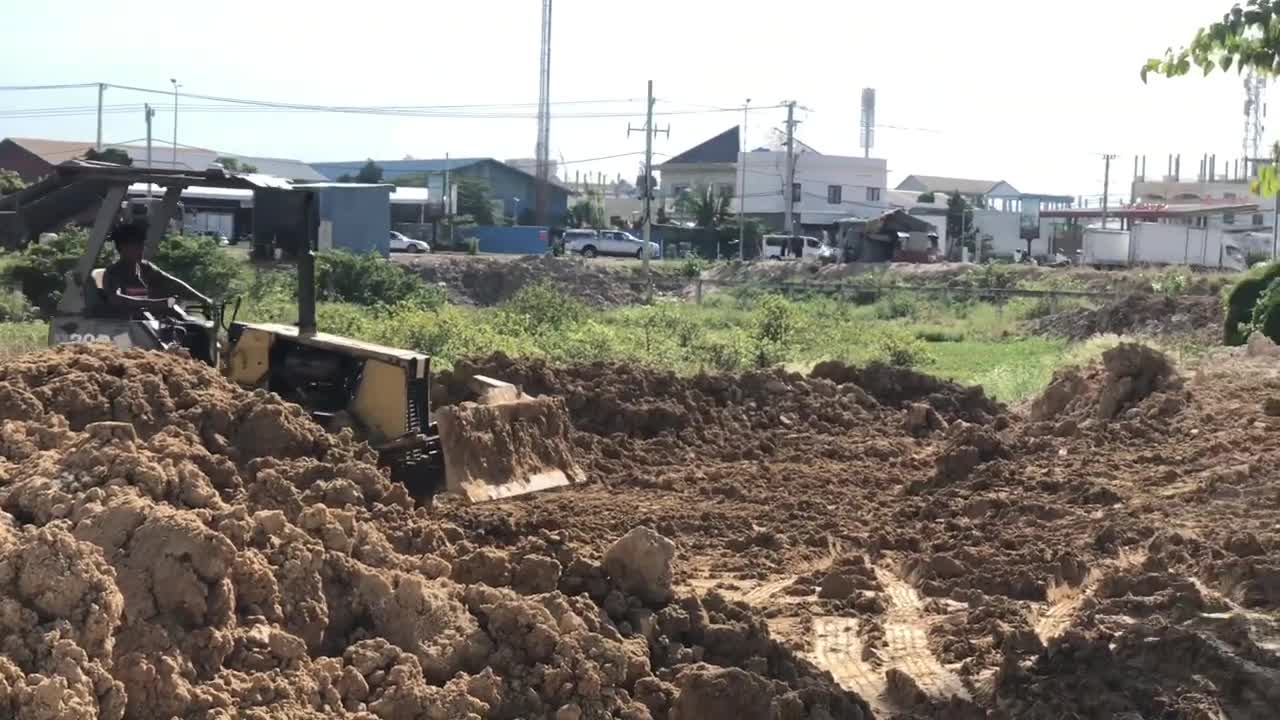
x=1247 y=38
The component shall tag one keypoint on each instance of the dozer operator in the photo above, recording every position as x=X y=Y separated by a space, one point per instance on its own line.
x=134 y=288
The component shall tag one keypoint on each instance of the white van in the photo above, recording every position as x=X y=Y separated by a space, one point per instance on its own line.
x=778 y=247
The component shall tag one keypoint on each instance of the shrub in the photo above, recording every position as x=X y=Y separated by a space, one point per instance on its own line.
x=39 y=271
x=939 y=335
x=1241 y=299
x=1266 y=313
x=727 y=353
x=902 y=350
x=776 y=323
x=1171 y=283
x=14 y=307
x=541 y=308
x=200 y=262
x=896 y=306
x=368 y=279
x=472 y=245
x=693 y=266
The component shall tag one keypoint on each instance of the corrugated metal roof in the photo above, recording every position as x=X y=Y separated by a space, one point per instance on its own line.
x=392 y=169
x=55 y=152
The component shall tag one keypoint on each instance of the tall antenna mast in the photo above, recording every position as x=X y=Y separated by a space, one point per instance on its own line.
x=1255 y=111
x=543 y=170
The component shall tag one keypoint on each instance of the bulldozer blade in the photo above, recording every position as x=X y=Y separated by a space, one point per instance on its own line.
x=507 y=444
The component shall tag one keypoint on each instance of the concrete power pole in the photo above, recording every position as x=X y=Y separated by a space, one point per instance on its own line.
x=649 y=131
x=149 y=112
x=788 y=191
x=102 y=89
x=1106 y=188
x=742 y=194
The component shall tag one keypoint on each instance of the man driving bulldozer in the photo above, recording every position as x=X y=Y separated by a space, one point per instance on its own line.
x=133 y=285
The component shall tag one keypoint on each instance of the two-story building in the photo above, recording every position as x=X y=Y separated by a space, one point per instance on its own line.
x=825 y=188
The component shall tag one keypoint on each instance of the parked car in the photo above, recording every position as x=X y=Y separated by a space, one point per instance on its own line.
x=590 y=243
x=400 y=243
x=777 y=247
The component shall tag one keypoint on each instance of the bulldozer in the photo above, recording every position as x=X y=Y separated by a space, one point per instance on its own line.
x=501 y=444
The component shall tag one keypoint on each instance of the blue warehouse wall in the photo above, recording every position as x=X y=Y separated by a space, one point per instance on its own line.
x=361 y=217
x=518 y=239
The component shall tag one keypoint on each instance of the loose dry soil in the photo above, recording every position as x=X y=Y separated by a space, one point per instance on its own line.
x=861 y=542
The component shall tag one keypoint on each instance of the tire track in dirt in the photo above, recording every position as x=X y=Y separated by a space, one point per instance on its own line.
x=1065 y=600
x=882 y=677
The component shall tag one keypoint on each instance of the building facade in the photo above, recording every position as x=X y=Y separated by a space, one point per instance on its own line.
x=510 y=186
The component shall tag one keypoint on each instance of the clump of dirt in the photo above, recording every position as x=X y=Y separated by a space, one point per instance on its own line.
x=487 y=281
x=1129 y=375
x=174 y=546
x=1143 y=315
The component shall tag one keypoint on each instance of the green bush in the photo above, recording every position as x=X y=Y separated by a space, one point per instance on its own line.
x=14 y=307
x=1171 y=283
x=1241 y=299
x=693 y=266
x=472 y=245
x=728 y=352
x=776 y=324
x=539 y=309
x=1266 y=313
x=902 y=350
x=39 y=271
x=895 y=306
x=200 y=262
x=939 y=335
x=369 y=279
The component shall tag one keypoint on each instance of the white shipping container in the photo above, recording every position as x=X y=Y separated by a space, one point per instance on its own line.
x=1106 y=247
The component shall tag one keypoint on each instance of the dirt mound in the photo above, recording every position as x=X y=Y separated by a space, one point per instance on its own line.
x=1196 y=317
x=1128 y=377
x=900 y=387
x=173 y=546
x=487 y=281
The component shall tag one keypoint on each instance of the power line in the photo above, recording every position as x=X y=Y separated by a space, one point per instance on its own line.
x=75 y=86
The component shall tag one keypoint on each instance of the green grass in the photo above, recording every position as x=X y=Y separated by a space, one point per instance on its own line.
x=969 y=342
x=20 y=337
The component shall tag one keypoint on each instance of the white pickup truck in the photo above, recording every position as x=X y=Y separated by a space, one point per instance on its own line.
x=591 y=243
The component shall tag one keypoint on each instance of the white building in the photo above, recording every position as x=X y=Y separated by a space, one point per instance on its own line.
x=1174 y=192
x=826 y=188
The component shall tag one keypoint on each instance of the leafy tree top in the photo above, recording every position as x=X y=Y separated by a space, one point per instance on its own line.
x=370 y=173
x=231 y=164
x=1247 y=37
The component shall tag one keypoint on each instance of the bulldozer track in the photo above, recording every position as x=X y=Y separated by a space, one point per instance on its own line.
x=837 y=647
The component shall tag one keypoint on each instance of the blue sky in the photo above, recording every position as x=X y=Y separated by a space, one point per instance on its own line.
x=1031 y=92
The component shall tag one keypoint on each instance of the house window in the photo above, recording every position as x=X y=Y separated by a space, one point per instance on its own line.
x=833 y=194
x=1257 y=218
x=873 y=194
x=678 y=190
x=1230 y=217
x=725 y=190
x=795 y=192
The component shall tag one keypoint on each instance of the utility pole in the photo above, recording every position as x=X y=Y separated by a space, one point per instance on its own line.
x=102 y=89
x=1106 y=188
x=149 y=112
x=789 y=191
x=447 y=199
x=649 y=131
x=175 y=121
x=742 y=194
